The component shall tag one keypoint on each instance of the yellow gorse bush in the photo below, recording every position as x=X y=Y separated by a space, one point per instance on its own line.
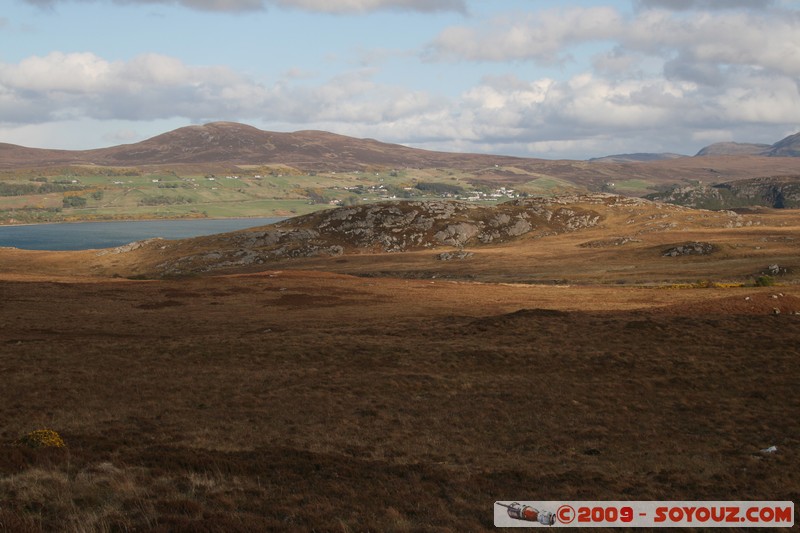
x=42 y=438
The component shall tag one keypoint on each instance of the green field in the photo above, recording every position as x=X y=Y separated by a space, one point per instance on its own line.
x=106 y=193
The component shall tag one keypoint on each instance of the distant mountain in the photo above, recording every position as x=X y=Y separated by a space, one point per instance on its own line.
x=240 y=144
x=634 y=158
x=731 y=148
x=788 y=147
x=227 y=147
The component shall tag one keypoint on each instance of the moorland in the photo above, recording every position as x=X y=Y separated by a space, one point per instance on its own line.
x=401 y=365
x=222 y=170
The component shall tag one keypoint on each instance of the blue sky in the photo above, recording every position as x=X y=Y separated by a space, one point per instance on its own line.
x=539 y=78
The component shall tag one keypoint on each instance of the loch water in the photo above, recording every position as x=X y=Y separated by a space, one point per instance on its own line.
x=95 y=235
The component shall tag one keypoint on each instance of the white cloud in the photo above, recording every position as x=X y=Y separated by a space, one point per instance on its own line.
x=755 y=40
x=763 y=100
x=591 y=113
x=617 y=62
x=321 y=6
x=61 y=85
x=764 y=39
x=657 y=73
x=540 y=37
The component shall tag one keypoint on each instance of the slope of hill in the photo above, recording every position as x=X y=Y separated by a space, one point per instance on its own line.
x=233 y=143
x=597 y=238
x=732 y=148
x=637 y=157
x=13 y=156
x=788 y=147
x=176 y=175
x=226 y=144
x=377 y=228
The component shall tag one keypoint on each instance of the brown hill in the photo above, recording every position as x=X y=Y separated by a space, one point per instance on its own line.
x=636 y=158
x=596 y=238
x=13 y=156
x=233 y=143
x=222 y=144
x=786 y=147
x=731 y=148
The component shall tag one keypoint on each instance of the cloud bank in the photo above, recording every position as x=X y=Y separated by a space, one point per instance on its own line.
x=656 y=78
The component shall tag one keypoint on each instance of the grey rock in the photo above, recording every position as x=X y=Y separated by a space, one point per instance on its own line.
x=457 y=234
x=450 y=256
x=692 y=248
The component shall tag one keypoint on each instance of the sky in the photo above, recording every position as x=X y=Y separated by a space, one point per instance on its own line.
x=556 y=79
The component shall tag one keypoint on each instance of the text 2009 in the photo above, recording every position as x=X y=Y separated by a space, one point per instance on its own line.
x=604 y=514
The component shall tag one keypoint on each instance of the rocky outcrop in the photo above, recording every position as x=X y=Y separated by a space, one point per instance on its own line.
x=605 y=243
x=690 y=248
x=388 y=227
x=454 y=256
x=778 y=193
x=125 y=248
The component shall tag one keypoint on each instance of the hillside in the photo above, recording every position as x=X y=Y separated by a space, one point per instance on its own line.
x=787 y=147
x=402 y=365
x=633 y=158
x=597 y=238
x=223 y=169
x=733 y=148
x=231 y=143
x=379 y=228
x=228 y=143
x=775 y=192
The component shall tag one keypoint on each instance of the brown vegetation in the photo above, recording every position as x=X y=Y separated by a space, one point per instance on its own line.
x=404 y=393
x=221 y=146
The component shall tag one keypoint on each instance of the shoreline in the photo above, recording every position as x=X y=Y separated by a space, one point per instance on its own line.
x=97 y=235
x=123 y=220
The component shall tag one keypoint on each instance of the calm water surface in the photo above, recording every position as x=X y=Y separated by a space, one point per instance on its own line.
x=89 y=235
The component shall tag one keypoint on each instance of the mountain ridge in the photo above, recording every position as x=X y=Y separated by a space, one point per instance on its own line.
x=786 y=147
x=237 y=143
x=733 y=148
x=230 y=148
x=637 y=157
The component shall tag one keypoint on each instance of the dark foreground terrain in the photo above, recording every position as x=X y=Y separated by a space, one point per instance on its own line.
x=305 y=401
